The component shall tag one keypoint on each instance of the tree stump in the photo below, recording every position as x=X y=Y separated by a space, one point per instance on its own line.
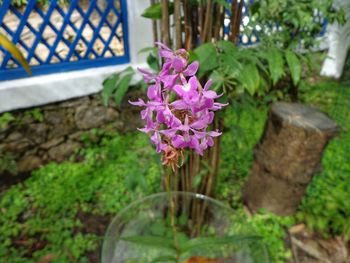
x=287 y=157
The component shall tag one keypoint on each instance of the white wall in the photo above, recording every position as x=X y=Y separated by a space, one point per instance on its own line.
x=40 y=90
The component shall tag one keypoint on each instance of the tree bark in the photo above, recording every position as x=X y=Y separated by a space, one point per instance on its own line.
x=287 y=157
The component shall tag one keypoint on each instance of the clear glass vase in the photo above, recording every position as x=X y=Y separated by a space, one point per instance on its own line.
x=180 y=227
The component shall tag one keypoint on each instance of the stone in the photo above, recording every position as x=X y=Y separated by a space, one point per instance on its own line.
x=60 y=122
x=60 y=152
x=74 y=103
x=14 y=136
x=93 y=117
x=29 y=163
x=76 y=135
x=17 y=146
x=51 y=143
x=36 y=133
x=55 y=117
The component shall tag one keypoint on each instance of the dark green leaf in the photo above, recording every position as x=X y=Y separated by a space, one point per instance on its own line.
x=294 y=66
x=208 y=58
x=218 y=79
x=152 y=241
x=249 y=78
x=122 y=88
x=152 y=62
x=276 y=64
x=109 y=86
x=155 y=11
x=227 y=47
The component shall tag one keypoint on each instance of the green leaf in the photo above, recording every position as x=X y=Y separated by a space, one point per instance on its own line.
x=208 y=58
x=249 y=78
x=201 y=242
x=123 y=86
x=109 y=86
x=166 y=258
x=15 y=52
x=155 y=11
x=5 y=119
x=276 y=64
x=294 y=66
x=152 y=62
x=227 y=46
x=197 y=180
x=152 y=241
x=218 y=79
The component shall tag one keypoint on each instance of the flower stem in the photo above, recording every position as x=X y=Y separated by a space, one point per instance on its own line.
x=172 y=215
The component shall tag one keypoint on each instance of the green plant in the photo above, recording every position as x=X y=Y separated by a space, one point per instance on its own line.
x=117 y=85
x=7 y=163
x=45 y=215
x=325 y=207
x=272 y=228
x=36 y=114
x=255 y=71
x=291 y=24
x=5 y=119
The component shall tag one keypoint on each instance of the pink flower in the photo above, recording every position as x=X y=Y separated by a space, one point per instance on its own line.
x=179 y=112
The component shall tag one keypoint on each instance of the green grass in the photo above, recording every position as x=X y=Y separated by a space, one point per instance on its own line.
x=44 y=209
x=42 y=213
x=326 y=207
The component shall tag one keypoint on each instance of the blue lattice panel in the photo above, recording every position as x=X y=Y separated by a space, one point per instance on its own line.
x=63 y=37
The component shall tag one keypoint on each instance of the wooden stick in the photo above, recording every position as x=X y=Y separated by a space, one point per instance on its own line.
x=217 y=27
x=238 y=20
x=205 y=28
x=233 y=20
x=165 y=23
x=187 y=25
x=154 y=25
x=177 y=19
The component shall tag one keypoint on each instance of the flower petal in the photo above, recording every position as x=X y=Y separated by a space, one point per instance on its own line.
x=214 y=133
x=178 y=141
x=169 y=80
x=139 y=103
x=191 y=69
x=210 y=94
x=208 y=84
x=178 y=64
x=193 y=82
x=179 y=90
x=163 y=46
x=179 y=104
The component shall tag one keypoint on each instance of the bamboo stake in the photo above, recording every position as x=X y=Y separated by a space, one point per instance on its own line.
x=154 y=25
x=187 y=25
x=238 y=21
x=217 y=26
x=205 y=28
x=165 y=23
x=233 y=20
x=177 y=19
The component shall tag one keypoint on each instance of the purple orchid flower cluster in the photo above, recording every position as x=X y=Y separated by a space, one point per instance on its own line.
x=179 y=110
